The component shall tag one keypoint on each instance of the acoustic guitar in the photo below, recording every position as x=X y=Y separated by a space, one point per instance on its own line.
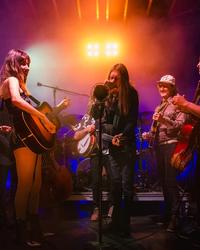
x=33 y=133
x=187 y=139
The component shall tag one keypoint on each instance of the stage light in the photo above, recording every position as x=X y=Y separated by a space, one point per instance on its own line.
x=111 y=49
x=102 y=49
x=93 y=49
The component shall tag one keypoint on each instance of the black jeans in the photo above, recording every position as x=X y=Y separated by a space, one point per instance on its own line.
x=167 y=175
x=122 y=180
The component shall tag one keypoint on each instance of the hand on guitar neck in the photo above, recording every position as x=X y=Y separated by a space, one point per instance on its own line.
x=49 y=125
x=158 y=117
x=62 y=105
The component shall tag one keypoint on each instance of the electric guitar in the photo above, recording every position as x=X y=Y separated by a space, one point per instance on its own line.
x=186 y=144
x=32 y=131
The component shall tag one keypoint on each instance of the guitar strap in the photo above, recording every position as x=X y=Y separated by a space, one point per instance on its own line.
x=36 y=101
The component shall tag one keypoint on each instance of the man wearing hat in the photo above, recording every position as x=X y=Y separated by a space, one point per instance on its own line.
x=167 y=122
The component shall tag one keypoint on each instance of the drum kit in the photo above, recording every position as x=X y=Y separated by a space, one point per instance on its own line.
x=66 y=149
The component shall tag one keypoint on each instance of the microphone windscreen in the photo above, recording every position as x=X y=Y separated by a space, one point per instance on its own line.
x=100 y=92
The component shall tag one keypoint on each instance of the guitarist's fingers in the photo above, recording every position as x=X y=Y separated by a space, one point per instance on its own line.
x=49 y=126
x=116 y=141
x=52 y=130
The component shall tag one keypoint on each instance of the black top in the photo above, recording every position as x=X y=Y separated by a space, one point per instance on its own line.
x=14 y=112
x=125 y=124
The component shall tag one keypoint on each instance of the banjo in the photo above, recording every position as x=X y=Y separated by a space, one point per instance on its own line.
x=86 y=145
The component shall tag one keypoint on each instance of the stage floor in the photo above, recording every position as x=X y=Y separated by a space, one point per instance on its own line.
x=73 y=229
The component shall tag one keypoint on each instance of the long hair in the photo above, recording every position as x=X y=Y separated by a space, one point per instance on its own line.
x=12 y=66
x=124 y=88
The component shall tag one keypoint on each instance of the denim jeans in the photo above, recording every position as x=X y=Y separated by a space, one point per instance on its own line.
x=167 y=175
x=122 y=179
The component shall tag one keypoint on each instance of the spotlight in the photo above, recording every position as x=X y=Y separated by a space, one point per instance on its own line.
x=111 y=49
x=93 y=49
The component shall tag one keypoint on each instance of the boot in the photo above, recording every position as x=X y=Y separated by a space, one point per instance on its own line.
x=21 y=232
x=172 y=224
x=95 y=215
x=35 y=231
x=110 y=211
x=22 y=235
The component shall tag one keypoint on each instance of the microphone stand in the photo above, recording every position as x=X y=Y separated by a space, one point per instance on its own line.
x=100 y=244
x=101 y=108
x=60 y=89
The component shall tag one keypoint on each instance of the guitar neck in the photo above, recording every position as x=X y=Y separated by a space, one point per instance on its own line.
x=56 y=110
x=36 y=101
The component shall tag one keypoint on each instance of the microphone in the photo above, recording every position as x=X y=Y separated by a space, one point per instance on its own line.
x=39 y=84
x=110 y=85
x=100 y=92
